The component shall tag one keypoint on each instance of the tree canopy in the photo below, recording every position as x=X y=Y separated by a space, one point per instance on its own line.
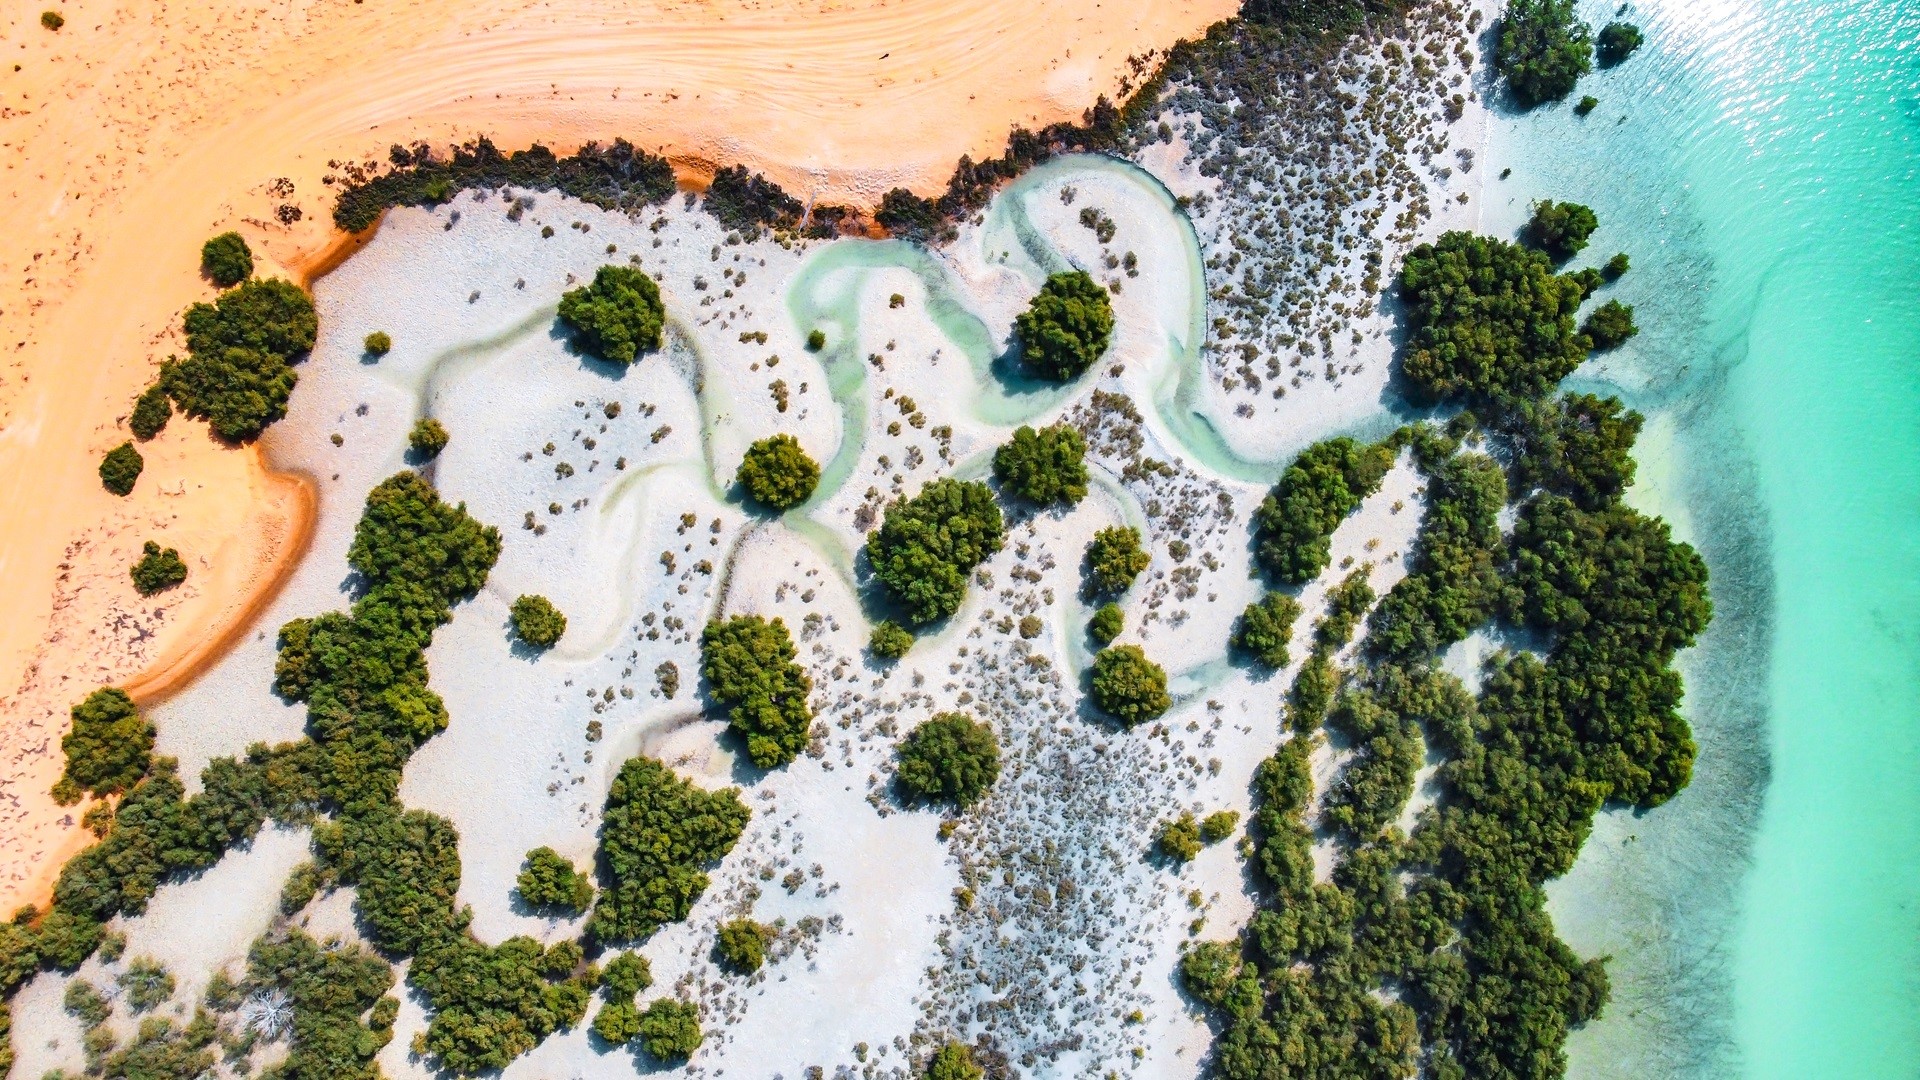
x=1106 y=623
x=1266 y=629
x=618 y=316
x=1128 y=686
x=749 y=665
x=742 y=945
x=427 y=438
x=1294 y=524
x=670 y=1029
x=1046 y=466
x=656 y=836
x=1114 y=559
x=1561 y=229
x=537 y=621
x=120 y=469
x=1067 y=326
x=1543 y=49
x=778 y=473
x=226 y=259
x=1490 y=321
x=108 y=748
x=927 y=545
x=889 y=640
x=238 y=372
x=951 y=757
x=1576 y=445
x=1617 y=41
x=159 y=569
x=548 y=880
x=151 y=412
x=1610 y=325
x=953 y=1061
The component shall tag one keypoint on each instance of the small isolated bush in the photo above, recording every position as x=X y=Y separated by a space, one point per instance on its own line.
x=159 y=569
x=951 y=758
x=816 y=340
x=953 y=1061
x=86 y=1004
x=378 y=343
x=616 y=318
x=1543 y=49
x=670 y=1029
x=742 y=945
x=1561 y=229
x=151 y=411
x=1586 y=105
x=778 y=473
x=750 y=669
x=109 y=748
x=1179 y=838
x=889 y=640
x=1610 y=325
x=537 y=621
x=1128 y=686
x=617 y=1022
x=428 y=438
x=1044 y=466
x=548 y=880
x=1266 y=629
x=1617 y=41
x=927 y=545
x=1066 y=328
x=146 y=984
x=1219 y=825
x=52 y=20
x=1616 y=267
x=625 y=976
x=227 y=259
x=1106 y=624
x=121 y=468
x=1114 y=559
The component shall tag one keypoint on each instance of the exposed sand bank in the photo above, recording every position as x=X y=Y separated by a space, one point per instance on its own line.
x=134 y=133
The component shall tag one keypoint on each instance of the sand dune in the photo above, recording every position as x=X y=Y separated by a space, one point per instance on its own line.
x=138 y=130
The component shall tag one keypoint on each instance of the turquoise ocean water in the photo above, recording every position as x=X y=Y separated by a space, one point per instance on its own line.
x=1760 y=163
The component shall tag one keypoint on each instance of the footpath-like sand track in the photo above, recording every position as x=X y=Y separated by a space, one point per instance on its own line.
x=139 y=129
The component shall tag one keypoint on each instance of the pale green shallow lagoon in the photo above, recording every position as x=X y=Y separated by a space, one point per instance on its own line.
x=1760 y=162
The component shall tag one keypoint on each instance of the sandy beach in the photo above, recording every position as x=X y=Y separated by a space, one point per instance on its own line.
x=134 y=133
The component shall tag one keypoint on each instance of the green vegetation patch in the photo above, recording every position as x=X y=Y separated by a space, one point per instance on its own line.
x=889 y=640
x=158 y=570
x=547 y=880
x=1490 y=321
x=1066 y=327
x=670 y=1029
x=615 y=177
x=1575 y=445
x=951 y=758
x=778 y=473
x=1265 y=630
x=1617 y=41
x=1106 y=624
x=1543 y=48
x=1561 y=229
x=226 y=259
x=1178 y=838
x=750 y=670
x=109 y=747
x=120 y=469
x=151 y=411
x=1044 y=467
x=954 y=1061
x=427 y=438
x=657 y=834
x=618 y=316
x=536 y=621
x=238 y=372
x=1114 y=558
x=748 y=202
x=1293 y=527
x=742 y=945
x=927 y=545
x=1128 y=686
x=1610 y=325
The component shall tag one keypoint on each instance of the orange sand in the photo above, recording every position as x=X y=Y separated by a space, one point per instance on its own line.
x=140 y=129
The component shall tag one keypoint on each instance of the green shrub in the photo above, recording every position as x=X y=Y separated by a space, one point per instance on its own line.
x=378 y=343
x=1045 y=466
x=537 y=621
x=1543 y=49
x=1114 y=559
x=1128 y=686
x=52 y=20
x=159 y=569
x=1617 y=41
x=1454 y=584
x=1490 y=321
x=951 y=757
x=742 y=945
x=330 y=989
x=617 y=1022
x=227 y=259
x=1066 y=327
x=1178 y=838
x=1219 y=825
x=1561 y=229
x=616 y=318
x=656 y=835
x=238 y=391
x=670 y=1029
x=1616 y=267
x=617 y=177
x=1610 y=325
x=548 y=880
x=1347 y=602
x=272 y=316
x=816 y=340
x=927 y=545
x=1586 y=105
x=146 y=985
x=1106 y=624
x=1294 y=524
x=750 y=670
x=748 y=202
x=953 y=1061
x=889 y=640
x=427 y=438
x=1577 y=445
x=626 y=975
x=120 y=468
x=1266 y=629
x=778 y=473
x=151 y=412
x=109 y=747
x=86 y=1004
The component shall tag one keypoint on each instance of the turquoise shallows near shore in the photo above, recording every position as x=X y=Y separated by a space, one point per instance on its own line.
x=1760 y=162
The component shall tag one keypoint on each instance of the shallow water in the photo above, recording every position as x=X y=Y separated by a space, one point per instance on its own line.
x=1760 y=162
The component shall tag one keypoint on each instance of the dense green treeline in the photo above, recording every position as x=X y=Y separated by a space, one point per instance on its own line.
x=1294 y=525
x=616 y=177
